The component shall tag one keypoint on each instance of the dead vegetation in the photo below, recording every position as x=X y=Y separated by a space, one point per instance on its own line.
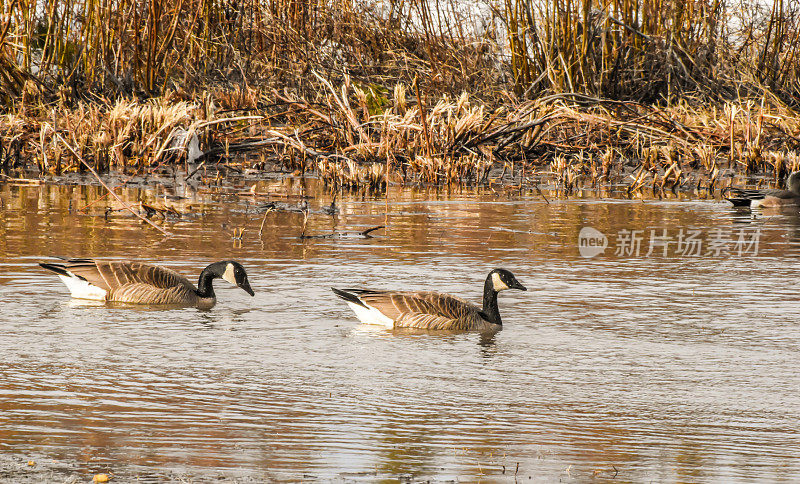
x=572 y=95
x=656 y=51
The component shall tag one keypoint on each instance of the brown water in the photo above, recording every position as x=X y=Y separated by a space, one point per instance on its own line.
x=650 y=368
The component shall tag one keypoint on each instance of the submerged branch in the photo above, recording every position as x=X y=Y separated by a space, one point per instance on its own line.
x=116 y=197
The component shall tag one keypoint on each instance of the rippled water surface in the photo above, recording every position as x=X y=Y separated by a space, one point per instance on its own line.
x=657 y=367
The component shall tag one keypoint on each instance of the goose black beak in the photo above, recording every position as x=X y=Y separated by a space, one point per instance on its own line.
x=519 y=286
x=246 y=286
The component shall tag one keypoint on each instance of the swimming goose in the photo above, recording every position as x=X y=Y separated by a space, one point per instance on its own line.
x=769 y=198
x=135 y=282
x=431 y=310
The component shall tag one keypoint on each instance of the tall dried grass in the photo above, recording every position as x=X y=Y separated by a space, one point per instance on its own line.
x=655 y=50
x=78 y=48
x=640 y=92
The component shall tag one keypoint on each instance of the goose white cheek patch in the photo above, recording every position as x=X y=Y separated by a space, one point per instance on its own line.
x=229 y=274
x=498 y=283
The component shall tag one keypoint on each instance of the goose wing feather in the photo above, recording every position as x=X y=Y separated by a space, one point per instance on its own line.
x=141 y=293
x=114 y=275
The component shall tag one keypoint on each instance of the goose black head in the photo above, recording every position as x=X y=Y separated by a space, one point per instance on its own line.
x=234 y=273
x=503 y=279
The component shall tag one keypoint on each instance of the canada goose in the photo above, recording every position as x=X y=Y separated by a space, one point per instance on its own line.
x=769 y=198
x=135 y=282
x=431 y=310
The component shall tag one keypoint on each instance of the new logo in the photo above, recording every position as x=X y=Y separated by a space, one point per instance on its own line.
x=591 y=242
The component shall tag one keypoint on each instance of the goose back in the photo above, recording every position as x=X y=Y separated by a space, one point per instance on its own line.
x=113 y=275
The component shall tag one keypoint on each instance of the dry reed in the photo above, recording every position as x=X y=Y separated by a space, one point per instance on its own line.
x=656 y=94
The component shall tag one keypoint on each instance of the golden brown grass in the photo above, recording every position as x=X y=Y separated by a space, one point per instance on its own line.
x=657 y=94
x=655 y=50
x=358 y=136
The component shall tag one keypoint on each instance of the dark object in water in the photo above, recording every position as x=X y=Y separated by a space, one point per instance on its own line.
x=769 y=197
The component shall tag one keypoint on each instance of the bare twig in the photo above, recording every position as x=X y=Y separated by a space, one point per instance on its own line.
x=261 y=229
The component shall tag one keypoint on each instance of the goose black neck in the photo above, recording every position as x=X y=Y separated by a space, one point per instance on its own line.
x=490 y=310
x=205 y=286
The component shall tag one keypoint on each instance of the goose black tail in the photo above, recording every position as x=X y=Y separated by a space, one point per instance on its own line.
x=740 y=202
x=57 y=268
x=348 y=297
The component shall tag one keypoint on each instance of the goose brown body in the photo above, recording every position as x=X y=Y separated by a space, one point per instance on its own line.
x=426 y=310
